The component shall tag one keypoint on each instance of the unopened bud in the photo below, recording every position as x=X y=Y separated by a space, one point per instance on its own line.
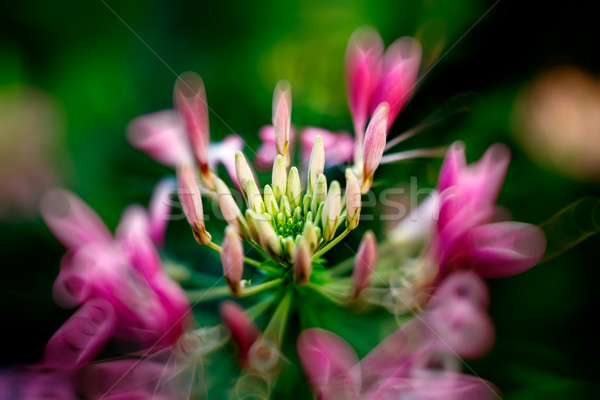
x=243 y=331
x=294 y=189
x=309 y=235
x=353 y=200
x=270 y=202
x=316 y=163
x=262 y=232
x=229 y=208
x=365 y=261
x=375 y=139
x=331 y=211
x=319 y=194
x=282 y=113
x=302 y=264
x=279 y=177
x=232 y=258
x=253 y=198
x=289 y=247
x=243 y=172
x=191 y=201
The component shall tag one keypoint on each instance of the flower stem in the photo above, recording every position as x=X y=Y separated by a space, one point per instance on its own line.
x=197 y=296
x=276 y=328
x=332 y=243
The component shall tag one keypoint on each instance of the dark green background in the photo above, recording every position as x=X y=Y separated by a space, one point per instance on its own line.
x=102 y=76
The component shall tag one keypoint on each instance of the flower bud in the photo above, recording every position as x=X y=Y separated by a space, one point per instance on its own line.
x=316 y=163
x=282 y=113
x=253 y=198
x=230 y=210
x=191 y=201
x=365 y=261
x=294 y=190
x=309 y=235
x=279 y=177
x=262 y=232
x=270 y=202
x=375 y=139
x=243 y=172
x=319 y=194
x=190 y=101
x=232 y=258
x=353 y=200
x=302 y=264
x=284 y=206
x=331 y=211
x=289 y=247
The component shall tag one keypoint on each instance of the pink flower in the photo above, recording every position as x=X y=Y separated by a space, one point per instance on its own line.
x=455 y=325
x=373 y=78
x=125 y=272
x=467 y=236
x=265 y=155
x=338 y=146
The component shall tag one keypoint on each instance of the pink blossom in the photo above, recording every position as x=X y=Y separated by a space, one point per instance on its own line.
x=125 y=271
x=243 y=330
x=338 y=146
x=454 y=325
x=265 y=155
x=467 y=236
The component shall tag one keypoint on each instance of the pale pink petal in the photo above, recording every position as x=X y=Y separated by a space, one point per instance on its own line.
x=224 y=153
x=82 y=337
x=72 y=221
x=401 y=67
x=265 y=155
x=363 y=68
x=365 y=261
x=161 y=135
x=461 y=285
x=282 y=114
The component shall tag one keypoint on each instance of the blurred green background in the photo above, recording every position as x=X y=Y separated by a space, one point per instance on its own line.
x=73 y=74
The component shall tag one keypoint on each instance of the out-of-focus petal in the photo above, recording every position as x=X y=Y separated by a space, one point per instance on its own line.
x=505 y=248
x=400 y=70
x=72 y=221
x=161 y=135
x=224 y=153
x=82 y=337
x=243 y=331
x=329 y=363
x=455 y=163
x=363 y=68
x=159 y=210
x=338 y=146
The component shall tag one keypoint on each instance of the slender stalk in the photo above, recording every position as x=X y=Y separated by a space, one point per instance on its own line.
x=276 y=328
x=332 y=243
x=197 y=296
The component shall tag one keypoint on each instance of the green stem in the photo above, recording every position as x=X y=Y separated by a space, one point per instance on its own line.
x=196 y=296
x=247 y=260
x=276 y=328
x=332 y=243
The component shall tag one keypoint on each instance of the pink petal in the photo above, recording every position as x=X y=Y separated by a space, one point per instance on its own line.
x=265 y=155
x=190 y=101
x=161 y=135
x=363 y=68
x=72 y=286
x=461 y=285
x=82 y=337
x=328 y=362
x=72 y=221
x=505 y=248
x=243 y=331
x=401 y=66
x=455 y=164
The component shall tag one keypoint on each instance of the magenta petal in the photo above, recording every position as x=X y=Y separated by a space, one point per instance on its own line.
x=505 y=248
x=454 y=164
x=72 y=221
x=461 y=285
x=71 y=288
x=485 y=177
x=401 y=67
x=329 y=362
x=82 y=337
x=161 y=135
x=363 y=70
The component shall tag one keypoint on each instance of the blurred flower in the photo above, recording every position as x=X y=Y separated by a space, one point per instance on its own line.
x=556 y=118
x=402 y=366
x=30 y=133
x=126 y=271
